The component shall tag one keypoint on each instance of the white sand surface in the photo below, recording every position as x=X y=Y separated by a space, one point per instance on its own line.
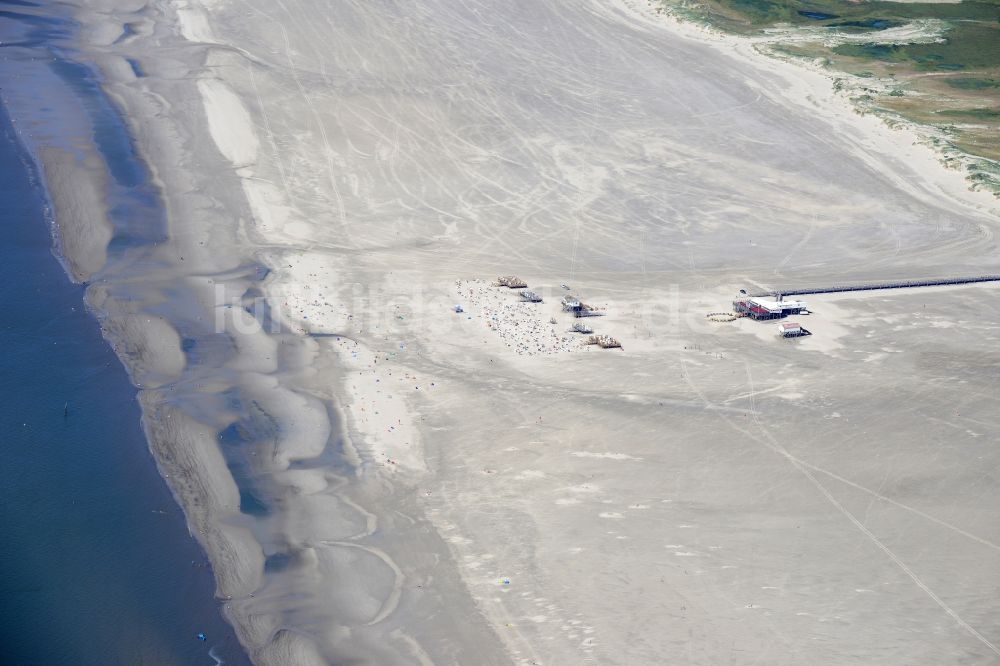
x=385 y=480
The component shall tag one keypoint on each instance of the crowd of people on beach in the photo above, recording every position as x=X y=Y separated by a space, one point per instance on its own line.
x=524 y=327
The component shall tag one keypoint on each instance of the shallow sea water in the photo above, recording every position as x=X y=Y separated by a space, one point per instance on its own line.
x=97 y=565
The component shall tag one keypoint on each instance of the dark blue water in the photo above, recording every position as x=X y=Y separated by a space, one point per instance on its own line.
x=817 y=16
x=97 y=566
x=874 y=24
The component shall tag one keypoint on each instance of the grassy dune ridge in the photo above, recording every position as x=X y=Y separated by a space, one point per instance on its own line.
x=935 y=64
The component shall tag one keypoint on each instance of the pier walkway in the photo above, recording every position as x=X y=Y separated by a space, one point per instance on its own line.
x=871 y=286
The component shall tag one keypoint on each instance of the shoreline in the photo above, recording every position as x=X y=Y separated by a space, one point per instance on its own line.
x=263 y=535
x=79 y=173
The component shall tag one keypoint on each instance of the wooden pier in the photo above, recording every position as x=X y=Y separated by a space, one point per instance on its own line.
x=872 y=286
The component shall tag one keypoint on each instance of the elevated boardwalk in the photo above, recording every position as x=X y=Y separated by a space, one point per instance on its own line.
x=871 y=286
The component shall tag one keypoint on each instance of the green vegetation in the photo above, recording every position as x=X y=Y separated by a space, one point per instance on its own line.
x=970 y=83
x=770 y=12
x=966 y=46
x=978 y=114
x=916 y=84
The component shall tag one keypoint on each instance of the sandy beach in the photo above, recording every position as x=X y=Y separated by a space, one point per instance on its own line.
x=389 y=459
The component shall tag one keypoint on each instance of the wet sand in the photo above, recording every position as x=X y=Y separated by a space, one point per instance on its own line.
x=379 y=479
x=97 y=565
